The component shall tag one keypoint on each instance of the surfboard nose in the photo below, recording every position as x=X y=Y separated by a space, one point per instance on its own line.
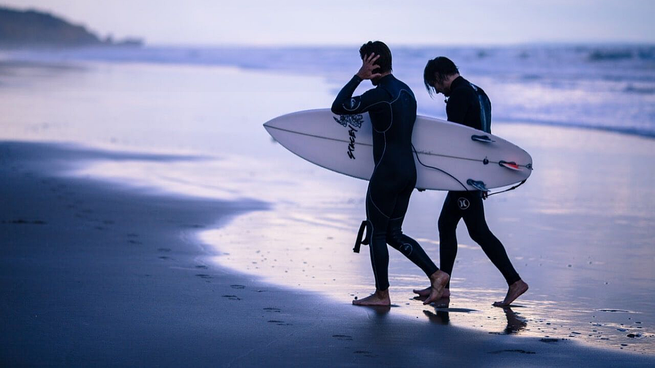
x=271 y=125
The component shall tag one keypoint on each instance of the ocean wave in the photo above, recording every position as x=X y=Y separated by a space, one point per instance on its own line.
x=640 y=90
x=567 y=84
x=618 y=54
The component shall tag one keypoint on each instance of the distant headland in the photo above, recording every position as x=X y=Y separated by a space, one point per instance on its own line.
x=35 y=29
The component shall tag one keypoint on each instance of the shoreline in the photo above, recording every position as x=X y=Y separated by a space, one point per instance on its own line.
x=100 y=274
x=615 y=130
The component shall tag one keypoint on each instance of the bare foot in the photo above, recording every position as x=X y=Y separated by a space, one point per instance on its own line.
x=378 y=299
x=424 y=293
x=515 y=290
x=438 y=281
x=442 y=302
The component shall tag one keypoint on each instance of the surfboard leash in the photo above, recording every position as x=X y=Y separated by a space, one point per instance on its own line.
x=438 y=169
x=507 y=190
x=361 y=239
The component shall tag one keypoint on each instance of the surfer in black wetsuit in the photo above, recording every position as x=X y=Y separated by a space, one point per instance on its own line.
x=469 y=105
x=392 y=108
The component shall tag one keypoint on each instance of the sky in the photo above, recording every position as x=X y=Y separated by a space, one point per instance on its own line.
x=340 y=22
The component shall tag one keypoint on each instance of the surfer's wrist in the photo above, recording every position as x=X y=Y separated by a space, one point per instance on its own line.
x=358 y=78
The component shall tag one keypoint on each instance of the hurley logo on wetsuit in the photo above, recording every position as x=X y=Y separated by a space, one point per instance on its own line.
x=353 y=123
x=463 y=203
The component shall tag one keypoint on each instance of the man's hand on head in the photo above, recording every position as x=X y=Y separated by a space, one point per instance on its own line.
x=368 y=66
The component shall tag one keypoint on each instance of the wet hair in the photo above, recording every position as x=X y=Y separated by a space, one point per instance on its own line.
x=377 y=48
x=438 y=70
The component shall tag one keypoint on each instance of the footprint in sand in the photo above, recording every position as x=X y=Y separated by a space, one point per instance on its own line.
x=279 y=323
x=202 y=267
x=231 y=297
x=273 y=310
x=343 y=337
x=132 y=237
x=365 y=353
x=204 y=276
x=520 y=351
x=164 y=250
x=194 y=226
x=25 y=222
x=237 y=286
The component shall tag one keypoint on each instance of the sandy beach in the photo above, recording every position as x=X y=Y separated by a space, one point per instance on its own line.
x=101 y=275
x=145 y=223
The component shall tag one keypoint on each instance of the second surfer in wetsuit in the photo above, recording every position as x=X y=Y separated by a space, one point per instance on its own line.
x=469 y=105
x=392 y=109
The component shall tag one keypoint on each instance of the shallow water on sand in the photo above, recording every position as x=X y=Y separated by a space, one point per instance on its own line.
x=580 y=231
x=581 y=235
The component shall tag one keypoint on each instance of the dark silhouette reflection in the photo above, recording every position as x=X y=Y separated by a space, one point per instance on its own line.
x=514 y=322
x=441 y=316
x=377 y=311
x=442 y=310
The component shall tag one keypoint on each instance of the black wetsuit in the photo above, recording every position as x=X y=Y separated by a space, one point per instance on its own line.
x=392 y=108
x=469 y=105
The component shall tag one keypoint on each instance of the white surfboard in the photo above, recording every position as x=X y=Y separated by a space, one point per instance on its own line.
x=448 y=156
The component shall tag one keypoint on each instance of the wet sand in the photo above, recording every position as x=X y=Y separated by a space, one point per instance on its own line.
x=106 y=275
x=580 y=232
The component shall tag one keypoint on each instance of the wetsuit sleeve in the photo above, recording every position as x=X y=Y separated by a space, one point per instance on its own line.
x=346 y=104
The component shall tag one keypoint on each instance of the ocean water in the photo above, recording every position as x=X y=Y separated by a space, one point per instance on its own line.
x=610 y=87
x=580 y=231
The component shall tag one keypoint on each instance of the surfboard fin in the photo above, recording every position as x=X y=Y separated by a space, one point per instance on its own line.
x=477 y=184
x=482 y=138
x=509 y=165
x=361 y=239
